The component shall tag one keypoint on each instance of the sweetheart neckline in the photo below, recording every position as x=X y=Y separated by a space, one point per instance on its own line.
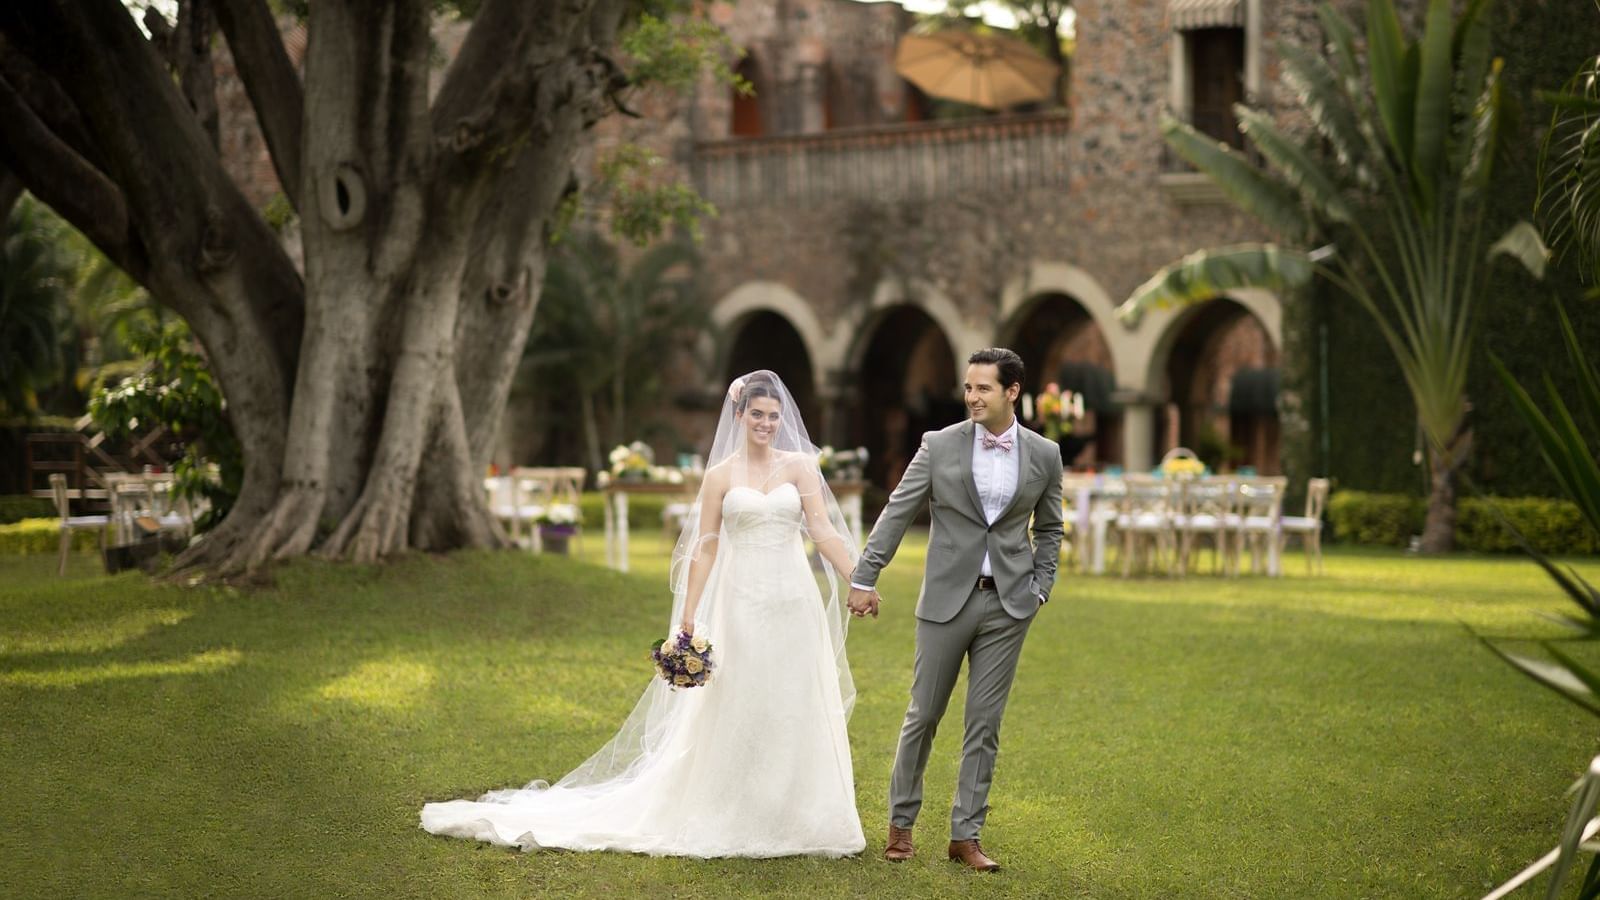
x=746 y=487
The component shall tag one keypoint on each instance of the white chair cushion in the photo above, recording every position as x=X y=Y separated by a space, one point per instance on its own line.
x=1301 y=523
x=85 y=521
x=1142 y=522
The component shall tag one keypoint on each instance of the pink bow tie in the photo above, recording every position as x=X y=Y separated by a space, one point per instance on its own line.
x=990 y=442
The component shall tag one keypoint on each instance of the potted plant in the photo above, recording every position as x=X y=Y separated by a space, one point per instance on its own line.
x=557 y=524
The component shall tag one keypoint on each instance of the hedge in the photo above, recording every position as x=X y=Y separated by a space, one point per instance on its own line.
x=1551 y=526
x=39 y=535
x=16 y=507
x=644 y=511
x=31 y=536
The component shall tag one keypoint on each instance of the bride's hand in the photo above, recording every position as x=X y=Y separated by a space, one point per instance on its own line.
x=686 y=627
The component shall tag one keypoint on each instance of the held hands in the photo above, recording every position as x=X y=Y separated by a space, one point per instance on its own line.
x=863 y=603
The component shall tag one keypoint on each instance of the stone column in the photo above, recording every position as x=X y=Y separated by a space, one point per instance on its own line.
x=1139 y=411
x=833 y=399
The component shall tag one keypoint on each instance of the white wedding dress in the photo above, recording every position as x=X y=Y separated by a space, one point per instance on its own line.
x=754 y=764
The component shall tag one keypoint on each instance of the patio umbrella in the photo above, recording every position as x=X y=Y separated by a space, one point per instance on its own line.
x=984 y=70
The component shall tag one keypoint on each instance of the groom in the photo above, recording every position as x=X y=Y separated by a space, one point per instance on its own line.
x=984 y=480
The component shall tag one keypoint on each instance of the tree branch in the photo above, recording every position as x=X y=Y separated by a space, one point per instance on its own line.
x=508 y=76
x=191 y=55
x=48 y=101
x=271 y=81
x=64 y=180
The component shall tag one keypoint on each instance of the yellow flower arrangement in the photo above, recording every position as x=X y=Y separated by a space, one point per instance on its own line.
x=1182 y=467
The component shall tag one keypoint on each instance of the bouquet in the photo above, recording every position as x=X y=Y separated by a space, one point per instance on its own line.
x=683 y=661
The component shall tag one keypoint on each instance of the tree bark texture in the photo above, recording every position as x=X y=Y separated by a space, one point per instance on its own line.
x=367 y=392
x=1444 y=467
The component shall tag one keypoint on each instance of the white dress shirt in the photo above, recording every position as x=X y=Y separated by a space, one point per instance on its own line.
x=994 y=472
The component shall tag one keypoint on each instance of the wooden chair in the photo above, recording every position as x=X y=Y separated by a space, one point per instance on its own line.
x=1206 y=510
x=515 y=508
x=70 y=522
x=1260 y=521
x=1309 y=526
x=1144 y=522
x=141 y=502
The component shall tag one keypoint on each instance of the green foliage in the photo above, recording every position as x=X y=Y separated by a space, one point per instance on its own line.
x=1569 y=164
x=1569 y=197
x=35 y=280
x=33 y=536
x=17 y=507
x=1208 y=274
x=177 y=392
x=603 y=328
x=642 y=205
x=1483 y=524
x=644 y=510
x=278 y=212
x=1552 y=527
x=1395 y=177
x=1383 y=520
x=674 y=51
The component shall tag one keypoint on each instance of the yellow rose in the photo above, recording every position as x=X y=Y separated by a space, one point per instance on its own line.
x=699 y=644
x=693 y=664
x=680 y=679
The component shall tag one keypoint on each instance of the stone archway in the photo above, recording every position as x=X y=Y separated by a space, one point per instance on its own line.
x=764 y=339
x=906 y=383
x=1216 y=366
x=753 y=297
x=1061 y=343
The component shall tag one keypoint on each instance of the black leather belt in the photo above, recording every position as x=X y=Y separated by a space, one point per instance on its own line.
x=986 y=583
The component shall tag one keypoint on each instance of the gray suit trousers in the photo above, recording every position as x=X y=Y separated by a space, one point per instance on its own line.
x=991 y=639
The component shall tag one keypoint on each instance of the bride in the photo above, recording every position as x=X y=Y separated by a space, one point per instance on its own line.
x=757 y=762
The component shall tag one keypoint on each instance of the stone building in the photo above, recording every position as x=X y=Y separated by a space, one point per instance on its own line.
x=863 y=250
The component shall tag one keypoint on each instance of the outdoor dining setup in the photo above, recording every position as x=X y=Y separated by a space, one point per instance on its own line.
x=1176 y=520
x=1164 y=522
x=539 y=507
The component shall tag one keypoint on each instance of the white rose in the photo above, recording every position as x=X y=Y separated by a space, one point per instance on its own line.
x=699 y=644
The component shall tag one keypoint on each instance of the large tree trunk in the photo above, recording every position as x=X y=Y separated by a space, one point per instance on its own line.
x=1444 y=465
x=366 y=395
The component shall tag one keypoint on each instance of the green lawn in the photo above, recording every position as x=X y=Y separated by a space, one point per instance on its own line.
x=1330 y=737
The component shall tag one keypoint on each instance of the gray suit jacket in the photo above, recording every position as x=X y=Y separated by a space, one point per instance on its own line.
x=941 y=475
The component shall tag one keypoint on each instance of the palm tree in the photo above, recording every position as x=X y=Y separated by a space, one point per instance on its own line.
x=604 y=330
x=1397 y=201
x=34 y=285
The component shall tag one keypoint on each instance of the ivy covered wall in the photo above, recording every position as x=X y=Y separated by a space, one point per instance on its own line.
x=1371 y=432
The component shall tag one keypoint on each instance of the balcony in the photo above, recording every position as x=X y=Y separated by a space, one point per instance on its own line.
x=891 y=162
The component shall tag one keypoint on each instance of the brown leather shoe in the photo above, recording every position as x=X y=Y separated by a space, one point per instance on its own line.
x=900 y=848
x=969 y=854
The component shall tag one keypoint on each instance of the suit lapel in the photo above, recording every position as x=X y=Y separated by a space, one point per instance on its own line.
x=966 y=469
x=1022 y=471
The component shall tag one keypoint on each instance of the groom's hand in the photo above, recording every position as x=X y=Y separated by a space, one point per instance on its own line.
x=862 y=602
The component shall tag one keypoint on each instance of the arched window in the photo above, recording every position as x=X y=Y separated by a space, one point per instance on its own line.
x=747 y=107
